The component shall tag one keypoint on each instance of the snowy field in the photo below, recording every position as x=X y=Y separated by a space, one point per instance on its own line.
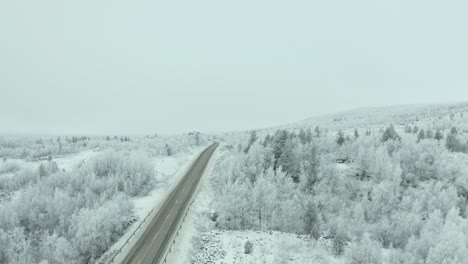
x=272 y=247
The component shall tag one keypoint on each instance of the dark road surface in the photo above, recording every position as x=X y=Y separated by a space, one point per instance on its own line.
x=151 y=246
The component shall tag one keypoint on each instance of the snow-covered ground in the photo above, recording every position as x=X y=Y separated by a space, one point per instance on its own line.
x=66 y=162
x=222 y=247
x=168 y=171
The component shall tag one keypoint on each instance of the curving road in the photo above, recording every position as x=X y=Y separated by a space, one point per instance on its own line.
x=152 y=245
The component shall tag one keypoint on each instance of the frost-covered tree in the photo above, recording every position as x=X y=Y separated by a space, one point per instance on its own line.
x=340 y=240
x=311 y=166
x=390 y=134
x=95 y=229
x=311 y=220
x=453 y=143
x=429 y=134
x=454 y=131
x=317 y=131
x=302 y=136
x=356 y=134
x=279 y=145
x=421 y=135
x=169 y=151
x=340 y=139
x=408 y=129
x=252 y=139
x=42 y=170
x=438 y=135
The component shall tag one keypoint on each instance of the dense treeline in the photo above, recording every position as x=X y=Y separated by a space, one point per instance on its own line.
x=399 y=192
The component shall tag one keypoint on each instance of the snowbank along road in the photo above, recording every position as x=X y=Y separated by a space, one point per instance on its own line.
x=151 y=246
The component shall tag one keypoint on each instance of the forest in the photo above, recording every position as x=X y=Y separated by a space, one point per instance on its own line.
x=397 y=193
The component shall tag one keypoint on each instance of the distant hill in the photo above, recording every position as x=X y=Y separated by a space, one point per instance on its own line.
x=371 y=117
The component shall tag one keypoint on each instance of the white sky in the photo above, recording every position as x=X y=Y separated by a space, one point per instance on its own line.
x=215 y=65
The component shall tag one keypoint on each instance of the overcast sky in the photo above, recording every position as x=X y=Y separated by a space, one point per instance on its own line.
x=215 y=65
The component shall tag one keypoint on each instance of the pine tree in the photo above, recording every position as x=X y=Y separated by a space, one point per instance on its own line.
x=453 y=143
x=390 y=133
x=280 y=142
x=308 y=135
x=267 y=140
x=311 y=221
x=356 y=134
x=438 y=135
x=317 y=131
x=453 y=131
x=340 y=138
x=252 y=139
x=302 y=136
x=421 y=135
x=169 y=151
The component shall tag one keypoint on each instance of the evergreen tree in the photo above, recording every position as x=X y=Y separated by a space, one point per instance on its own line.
x=317 y=131
x=454 y=144
x=311 y=221
x=280 y=142
x=169 y=151
x=438 y=135
x=252 y=139
x=421 y=135
x=340 y=138
x=453 y=131
x=267 y=140
x=356 y=134
x=311 y=168
x=390 y=133
x=289 y=162
x=308 y=135
x=302 y=136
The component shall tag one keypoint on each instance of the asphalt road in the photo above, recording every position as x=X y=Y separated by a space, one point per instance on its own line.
x=152 y=245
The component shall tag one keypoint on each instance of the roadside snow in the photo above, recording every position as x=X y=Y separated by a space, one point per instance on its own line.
x=168 y=171
x=222 y=247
